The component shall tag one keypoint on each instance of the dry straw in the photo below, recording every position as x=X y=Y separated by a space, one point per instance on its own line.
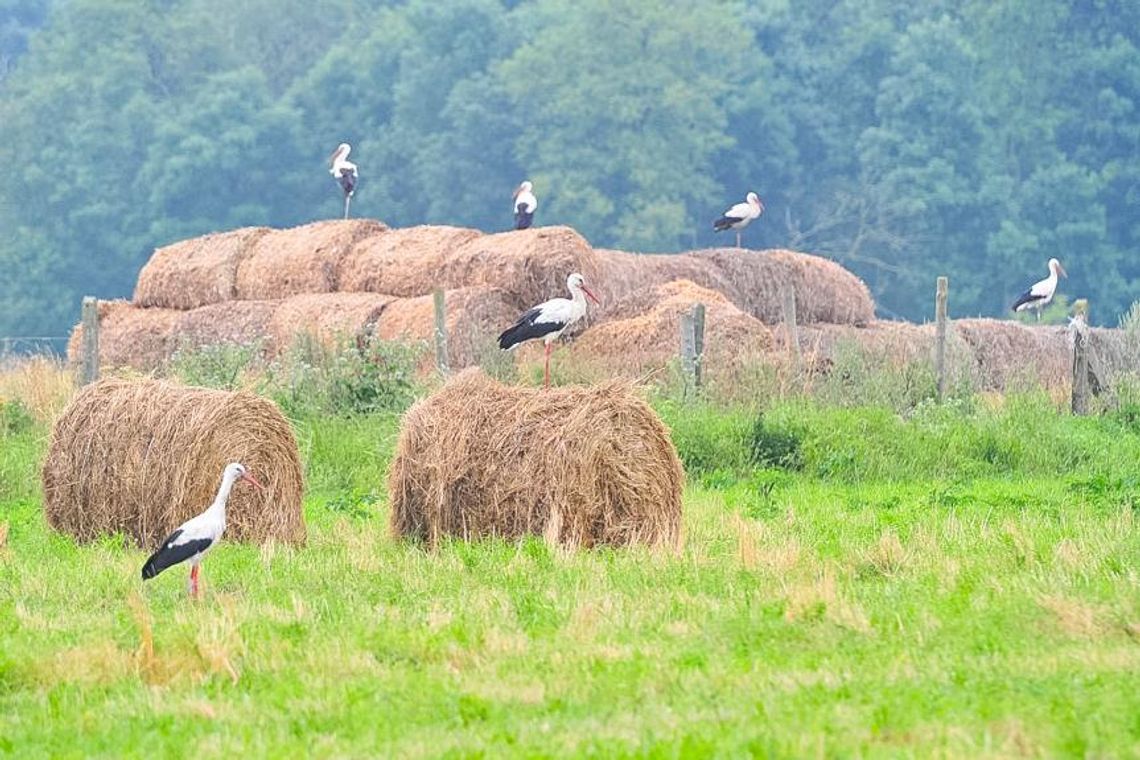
x=1008 y=354
x=141 y=457
x=754 y=280
x=195 y=272
x=582 y=466
x=327 y=317
x=304 y=259
x=475 y=317
x=130 y=337
x=643 y=331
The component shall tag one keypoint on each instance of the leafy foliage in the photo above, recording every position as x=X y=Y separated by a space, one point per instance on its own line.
x=903 y=139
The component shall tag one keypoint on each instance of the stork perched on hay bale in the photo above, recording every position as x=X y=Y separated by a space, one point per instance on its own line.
x=1041 y=293
x=199 y=534
x=344 y=172
x=524 y=205
x=740 y=216
x=550 y=319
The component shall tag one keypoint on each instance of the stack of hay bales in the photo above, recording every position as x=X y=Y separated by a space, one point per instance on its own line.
x=582 y=466
x=335 y=280
x=141 y=457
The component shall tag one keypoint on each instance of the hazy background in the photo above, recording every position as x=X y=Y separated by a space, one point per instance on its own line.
x=903 y=138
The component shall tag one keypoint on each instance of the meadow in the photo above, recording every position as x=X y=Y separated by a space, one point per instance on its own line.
x=860 y=577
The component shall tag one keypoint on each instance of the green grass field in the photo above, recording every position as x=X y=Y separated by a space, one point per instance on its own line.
x=957 y=581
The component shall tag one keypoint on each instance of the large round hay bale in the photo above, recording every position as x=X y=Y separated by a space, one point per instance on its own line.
x=240 y=323
x=303 y=259
x=754 y=280
x=825 y=291
x=402 y=262
x=582 y=466
x=642 y=331
x=475 y=317
x=141 y=457
x=129 y=336
x=1008 y=354
x=327 y=317
x=195 y=272
x=530 y=266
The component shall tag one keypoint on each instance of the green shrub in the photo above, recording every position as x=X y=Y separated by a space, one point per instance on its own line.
x=219 y=366
x=709 y=440
x=15 y=417
x=771 y=447
x=351 y=377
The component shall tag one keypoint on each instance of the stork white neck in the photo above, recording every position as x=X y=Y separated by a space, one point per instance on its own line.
x=223 y=496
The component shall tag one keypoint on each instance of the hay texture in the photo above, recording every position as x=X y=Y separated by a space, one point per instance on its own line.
x=142 y=339
x=330 y=318
x=529 y=266
x=1008 y=354
x=643 y=331
x=402 y=262
x=475 y=317
x=582 y=466
x=195 y=272
x=241 y=323
x=754 y=281
x=142 y=457
x=300 y=260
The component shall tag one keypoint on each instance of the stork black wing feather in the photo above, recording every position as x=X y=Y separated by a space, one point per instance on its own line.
x=1026 y=298
x=172 y=553
x=725 y=223
x=526 y=328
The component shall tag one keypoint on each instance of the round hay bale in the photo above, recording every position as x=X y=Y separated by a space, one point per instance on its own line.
x=582 y=466
x=643 y=330
x=195 y=272
x=303 y=259
x=129 y=336
x=1008 y=354
x=754 y=281
x=327 y=317
x=825 y=291
x=897 y=343
x=141 y=457
x=241 y=323
x=530 y=266
x=402 y=262
x=475 y=317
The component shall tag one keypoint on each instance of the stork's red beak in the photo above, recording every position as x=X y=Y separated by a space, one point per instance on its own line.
x=1061 y=269
x=251 y=479
x=335 y=153
x=590 y=295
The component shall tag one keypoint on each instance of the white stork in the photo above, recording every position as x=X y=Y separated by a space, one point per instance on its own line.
x=548 y=320
x=524 y=205
x=199 y=534
x=1041 y=293
x=344 y=172
x=740 y=216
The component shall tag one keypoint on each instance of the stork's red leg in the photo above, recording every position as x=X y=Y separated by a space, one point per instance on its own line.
x=546 y=370
x=194 y=591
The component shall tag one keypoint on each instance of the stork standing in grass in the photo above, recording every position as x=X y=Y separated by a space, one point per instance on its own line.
x=740 y=216
x=1041 y=293
x=199 y=534
x=524 y=205
x=344 y=172
x=550 y=319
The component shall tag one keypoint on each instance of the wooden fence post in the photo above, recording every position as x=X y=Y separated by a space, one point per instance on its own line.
x=440 y=332
x=940 y=324
x=692 y=345
x=698 y=343
x=89 y=369
x=1080 y=328
x=793 y=337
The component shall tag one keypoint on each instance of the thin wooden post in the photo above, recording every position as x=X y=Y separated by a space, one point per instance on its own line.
x=941 y=290
x=1080 y=328
x=440 y=332
x=698 y=343
x=792 y=334
x=89 y=369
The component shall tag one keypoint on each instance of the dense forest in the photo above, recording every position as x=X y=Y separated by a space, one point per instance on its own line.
x=903 y=138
